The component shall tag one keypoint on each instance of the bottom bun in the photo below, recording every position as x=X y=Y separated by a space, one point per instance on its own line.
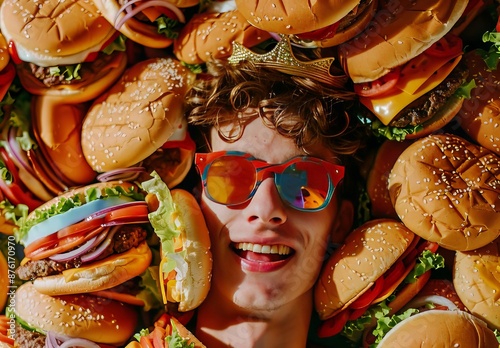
x=438 y=328
x=81 y=315
x=101 y=275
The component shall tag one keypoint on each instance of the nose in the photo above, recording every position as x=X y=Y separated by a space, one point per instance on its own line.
x=266 y=205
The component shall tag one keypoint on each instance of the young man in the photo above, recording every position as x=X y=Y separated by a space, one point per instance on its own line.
x=271 y=199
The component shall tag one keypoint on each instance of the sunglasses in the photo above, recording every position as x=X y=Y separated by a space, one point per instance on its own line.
x=231 y=177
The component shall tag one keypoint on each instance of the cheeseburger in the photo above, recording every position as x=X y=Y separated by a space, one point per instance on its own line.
x=91 y=238
x=58 y=47
x=378 y=269
x=79 y=320
x=138 y=125
x=445 y=189
x=406 y=67
x=311 y=24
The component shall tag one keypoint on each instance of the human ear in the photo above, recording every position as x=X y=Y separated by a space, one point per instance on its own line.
x=343 y=222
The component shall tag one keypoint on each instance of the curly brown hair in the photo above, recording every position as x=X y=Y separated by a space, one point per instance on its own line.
x=297 y=107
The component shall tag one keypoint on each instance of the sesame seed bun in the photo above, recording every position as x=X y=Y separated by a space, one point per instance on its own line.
x=480 y=116
x=50 y=30
x=367 y=253
x=81 y=315
x=476 y=278
x=445 y=189
x=437 y=328
x=294 y=17
x=397 y=33
x=209 y=36
x=137 y=115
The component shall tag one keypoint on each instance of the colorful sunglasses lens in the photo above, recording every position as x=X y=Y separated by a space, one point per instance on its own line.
x=304 y=185
x=230 y=180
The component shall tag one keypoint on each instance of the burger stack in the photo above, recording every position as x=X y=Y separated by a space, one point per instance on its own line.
x=92 y=107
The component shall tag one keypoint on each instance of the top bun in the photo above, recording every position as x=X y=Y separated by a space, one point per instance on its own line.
x=367 y=253
x=137 y=115
x=446 y=190
x=479 y=116
x=54 y=28
x=93 y=318
x=438 y=328
x=476 y=278
x=294 y=17
x=397 y=34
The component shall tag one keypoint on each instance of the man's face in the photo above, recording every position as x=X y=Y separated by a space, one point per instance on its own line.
x=257 y=281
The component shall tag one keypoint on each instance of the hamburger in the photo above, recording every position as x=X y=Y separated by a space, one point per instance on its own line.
x=166 y=332
x=61 y=48
x=209 y=36
x=79 y=320
x=89 y=239
x=479 y=115
x=138 y=125
x=377 y=270
x=318 y=24
x=476 y=277
x=440 y=329
x=7 y=71
x=405 y=67
x=150 y=23
x=186 y=260
x=445 y=189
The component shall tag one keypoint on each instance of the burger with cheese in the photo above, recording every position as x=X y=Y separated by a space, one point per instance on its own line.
x=89 y=239
x=79 y=320
x=378 y=269
x=310 y=24
x=406 y=68
x=138 y=125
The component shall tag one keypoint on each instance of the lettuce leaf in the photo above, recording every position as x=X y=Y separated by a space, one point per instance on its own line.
x=167 y=26
x=425 y=262
x=174 y=340
x=150 y=290
x=385 y=324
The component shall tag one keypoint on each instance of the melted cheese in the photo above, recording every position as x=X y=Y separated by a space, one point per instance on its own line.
x=386 y=107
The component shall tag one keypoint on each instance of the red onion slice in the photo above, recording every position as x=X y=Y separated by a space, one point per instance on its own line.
x=56 y=340
x=421 y=301
x=100 y=249
x=151 y=3
x=102 y=212
x=126 y=174
x=88 y=245
x=17 y=154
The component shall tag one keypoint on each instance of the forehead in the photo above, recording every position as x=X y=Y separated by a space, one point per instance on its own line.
x=267 y=144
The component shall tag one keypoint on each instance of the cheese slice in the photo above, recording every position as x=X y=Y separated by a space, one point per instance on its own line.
x=387 y=106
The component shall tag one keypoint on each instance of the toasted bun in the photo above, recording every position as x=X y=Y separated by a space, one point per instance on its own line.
x=49 y=30
x=191 y=290
x=209 y=36
x=367 y=253
x=4 y=281
x=480 y=116
x=443 y=188
x=99 y=275
x=397 y=34
x=436 y=328
x=137 y=115
x=353 y=29
x=294 y=17
x=61 y=137
x=141 y=32
x=476 y=278
x=81 y=315
x=378 y=175
x=96 y=78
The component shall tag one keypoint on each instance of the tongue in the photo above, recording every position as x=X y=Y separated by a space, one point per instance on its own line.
x=250 y=255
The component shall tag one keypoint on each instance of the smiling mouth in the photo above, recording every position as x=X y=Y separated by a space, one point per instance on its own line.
x=262 y=253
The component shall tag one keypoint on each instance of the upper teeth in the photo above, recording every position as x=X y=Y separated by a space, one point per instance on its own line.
x=264 y=249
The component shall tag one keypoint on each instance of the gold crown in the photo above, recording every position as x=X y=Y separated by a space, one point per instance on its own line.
x=281 y=58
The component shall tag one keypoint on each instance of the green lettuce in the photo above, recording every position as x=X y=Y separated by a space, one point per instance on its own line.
x=167 y=26
x=425 y=262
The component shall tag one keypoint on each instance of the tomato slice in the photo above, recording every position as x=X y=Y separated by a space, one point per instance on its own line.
x=13 y=53
x=41 y=243
x=84 y=226
x=449 y=45
x=7 y=75
x=368 y=296
x=127 y=215
x=378 y=87
x=320 y=34
x=333 y=325
x=146 y=342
